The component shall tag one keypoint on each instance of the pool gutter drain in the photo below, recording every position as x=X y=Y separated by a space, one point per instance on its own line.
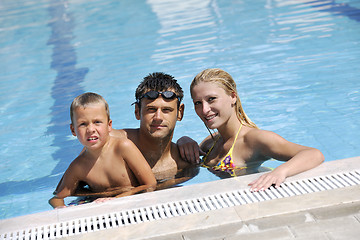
x=185 y=207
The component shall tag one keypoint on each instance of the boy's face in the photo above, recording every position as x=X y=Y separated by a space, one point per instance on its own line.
x=158 y=116
x=91 y=125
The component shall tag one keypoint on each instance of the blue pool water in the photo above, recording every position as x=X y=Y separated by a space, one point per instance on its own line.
x=296 y=64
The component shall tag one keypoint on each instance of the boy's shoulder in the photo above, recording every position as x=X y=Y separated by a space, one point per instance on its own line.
x=79 y=160
x=78 y=166
x=121 y=143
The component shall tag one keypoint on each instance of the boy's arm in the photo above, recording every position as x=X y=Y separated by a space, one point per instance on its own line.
x=66 y=186
x=57 y=202
x=137 y=163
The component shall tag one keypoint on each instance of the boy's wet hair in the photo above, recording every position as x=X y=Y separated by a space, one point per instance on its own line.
x=159 y=81
x=86 y=99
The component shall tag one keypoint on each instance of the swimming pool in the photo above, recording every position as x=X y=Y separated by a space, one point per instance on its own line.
x=295 y=63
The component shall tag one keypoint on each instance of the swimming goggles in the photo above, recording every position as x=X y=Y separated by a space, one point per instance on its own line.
x=155 y=94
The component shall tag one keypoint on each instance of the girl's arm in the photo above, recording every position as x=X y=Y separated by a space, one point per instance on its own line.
x=297 y=158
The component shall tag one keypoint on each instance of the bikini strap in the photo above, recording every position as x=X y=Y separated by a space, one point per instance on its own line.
x=209 y=151
x=236 y=136
x=218 y=137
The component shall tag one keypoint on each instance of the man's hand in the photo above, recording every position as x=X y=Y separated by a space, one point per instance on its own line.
x=189 y=150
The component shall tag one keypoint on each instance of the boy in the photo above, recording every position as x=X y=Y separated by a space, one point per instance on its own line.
x=106 y=162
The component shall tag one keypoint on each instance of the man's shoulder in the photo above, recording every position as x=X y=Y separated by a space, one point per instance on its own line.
x=119 y=133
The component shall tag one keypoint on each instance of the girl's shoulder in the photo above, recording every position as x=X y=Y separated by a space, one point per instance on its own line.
x=255 y=136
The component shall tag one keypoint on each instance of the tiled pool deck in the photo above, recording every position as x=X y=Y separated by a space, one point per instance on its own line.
x=329 y=214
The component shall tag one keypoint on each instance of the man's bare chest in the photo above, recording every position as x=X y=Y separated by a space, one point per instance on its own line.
x=165 y=169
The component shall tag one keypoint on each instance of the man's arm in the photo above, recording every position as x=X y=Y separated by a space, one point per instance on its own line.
x=189 y=150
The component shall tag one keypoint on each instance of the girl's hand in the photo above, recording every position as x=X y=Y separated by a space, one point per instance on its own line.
x=275 y=177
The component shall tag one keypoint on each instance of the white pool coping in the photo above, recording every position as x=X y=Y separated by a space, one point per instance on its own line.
x=193 y=221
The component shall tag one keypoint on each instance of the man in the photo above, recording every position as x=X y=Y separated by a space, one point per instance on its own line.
x=158 y=107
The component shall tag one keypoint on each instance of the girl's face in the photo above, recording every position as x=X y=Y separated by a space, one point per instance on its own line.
x=212 y=104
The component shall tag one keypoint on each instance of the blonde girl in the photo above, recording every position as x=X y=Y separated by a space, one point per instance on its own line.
x=239 y=145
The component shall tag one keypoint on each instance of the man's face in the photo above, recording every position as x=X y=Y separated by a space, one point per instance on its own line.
x=158 y=116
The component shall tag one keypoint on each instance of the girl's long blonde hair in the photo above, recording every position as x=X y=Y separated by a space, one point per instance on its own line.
x=224 y=80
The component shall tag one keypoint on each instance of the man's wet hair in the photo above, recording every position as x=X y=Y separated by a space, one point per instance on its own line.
x=160 y=82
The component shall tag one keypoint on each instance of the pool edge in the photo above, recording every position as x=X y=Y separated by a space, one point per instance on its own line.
x=197 y=220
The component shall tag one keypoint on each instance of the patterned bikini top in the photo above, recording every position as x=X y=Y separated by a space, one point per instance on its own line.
x=226 y=164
